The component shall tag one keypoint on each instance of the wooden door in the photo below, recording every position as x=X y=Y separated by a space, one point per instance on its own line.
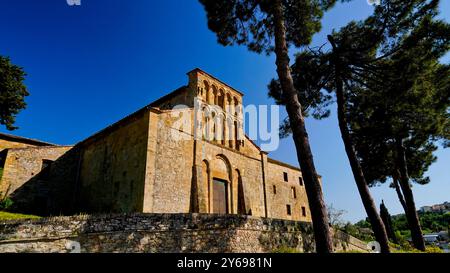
x=220 y=198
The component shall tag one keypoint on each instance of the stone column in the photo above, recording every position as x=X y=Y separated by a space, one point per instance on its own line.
x=150 y=172
x=231 y=134
x=264 y=163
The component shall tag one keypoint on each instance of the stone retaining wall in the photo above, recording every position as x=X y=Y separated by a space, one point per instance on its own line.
x=161 y=233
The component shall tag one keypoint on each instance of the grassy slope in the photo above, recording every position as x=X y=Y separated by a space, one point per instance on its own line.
x=14 y=216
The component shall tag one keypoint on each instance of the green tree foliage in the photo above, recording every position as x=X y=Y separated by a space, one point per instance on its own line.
x=431 y=222
x=361 y=233
x=377 y=59
x=12 y=92
x=5 y=202
x=398 y=115
x=356 y=51
x=251 y=22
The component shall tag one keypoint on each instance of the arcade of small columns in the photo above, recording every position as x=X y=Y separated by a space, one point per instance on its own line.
x=221 y=116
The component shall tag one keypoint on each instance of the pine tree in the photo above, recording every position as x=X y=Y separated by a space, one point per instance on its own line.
x=398 y=118
x=387 y=220
x=357 y=59
x=12 y=92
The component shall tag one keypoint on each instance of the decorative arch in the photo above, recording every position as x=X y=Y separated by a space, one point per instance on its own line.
x=222 y=167
x=221 y=194
x=209 y=113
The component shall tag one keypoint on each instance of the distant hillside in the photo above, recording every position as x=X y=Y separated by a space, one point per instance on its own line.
x=445 y=207
x=431 y=222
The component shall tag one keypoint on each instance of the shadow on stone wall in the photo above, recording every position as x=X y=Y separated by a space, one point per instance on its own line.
x=53 y=193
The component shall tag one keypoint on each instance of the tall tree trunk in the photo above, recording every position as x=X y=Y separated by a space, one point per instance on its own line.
x=369 y=205
x=313 y=187
x=398 y=190
x=411 y=212
x=375 y=220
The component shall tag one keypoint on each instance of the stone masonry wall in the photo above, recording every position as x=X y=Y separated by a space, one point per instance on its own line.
x=26 y=184
x=113 y=168
x=5 y=144
x=160 y=233
x=22 y=165
x=37 y=191
x=280 y=194
x=173 y=163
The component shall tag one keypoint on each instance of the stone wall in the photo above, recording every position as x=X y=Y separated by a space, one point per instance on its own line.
x=16 y=144
x=21 y=165
x=5 y=144
x=236 y=164
x=160 y=233
x=173 y=163
x=24 y=180
x=281 y=193
x=113 y=168
x=37 y=191
x=137 y=165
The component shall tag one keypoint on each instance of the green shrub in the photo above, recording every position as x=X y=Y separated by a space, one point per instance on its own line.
x=6 y=203
x=407 y=248
x=351 y=252
x=286 y=250
x=434 y=250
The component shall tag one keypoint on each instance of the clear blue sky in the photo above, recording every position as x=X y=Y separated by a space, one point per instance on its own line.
x=91 y=65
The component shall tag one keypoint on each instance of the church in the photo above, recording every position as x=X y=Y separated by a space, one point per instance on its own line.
x=162 y=158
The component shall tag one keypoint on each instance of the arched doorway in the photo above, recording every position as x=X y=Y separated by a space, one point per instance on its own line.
x=221 y=193
x=220 y=196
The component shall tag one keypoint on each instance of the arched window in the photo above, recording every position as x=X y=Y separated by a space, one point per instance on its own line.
x=206 y=95
x=229 y=104
x=221 y=99
x=215 y=94
x=237 y=107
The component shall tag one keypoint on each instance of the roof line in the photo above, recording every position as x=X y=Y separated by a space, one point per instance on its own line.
x=27 y=140
x=117 y=124
x=254 y=144
x=38 y=147
x=150 y=107
x=271 y=160
x=281 y=163
x=215 y=78
x=168 y=96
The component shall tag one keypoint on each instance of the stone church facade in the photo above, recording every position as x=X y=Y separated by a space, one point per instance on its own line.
x=150 y=162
